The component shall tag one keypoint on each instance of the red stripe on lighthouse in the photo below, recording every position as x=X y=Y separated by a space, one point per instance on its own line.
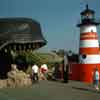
x=88 y=50
x=89 y=36
x=89 y=33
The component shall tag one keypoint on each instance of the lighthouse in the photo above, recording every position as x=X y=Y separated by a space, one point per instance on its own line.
x=89 y=54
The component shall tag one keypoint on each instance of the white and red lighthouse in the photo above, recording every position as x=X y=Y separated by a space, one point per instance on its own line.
x=89 y=54
x=89 y=51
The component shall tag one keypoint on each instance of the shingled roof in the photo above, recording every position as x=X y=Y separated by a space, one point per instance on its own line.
x=20 y=31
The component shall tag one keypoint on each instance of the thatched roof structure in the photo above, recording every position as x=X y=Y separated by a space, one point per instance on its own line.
x=21 y=31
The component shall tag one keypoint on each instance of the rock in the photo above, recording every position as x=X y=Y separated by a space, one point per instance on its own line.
x=10 y=83
x=3 y=83
x=18 y=78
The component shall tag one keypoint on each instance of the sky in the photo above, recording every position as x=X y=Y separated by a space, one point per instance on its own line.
x=58 y=18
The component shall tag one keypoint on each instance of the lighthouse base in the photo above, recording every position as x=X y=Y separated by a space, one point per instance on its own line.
x=83 y=72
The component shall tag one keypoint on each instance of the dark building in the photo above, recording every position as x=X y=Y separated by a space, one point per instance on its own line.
x=17 y=34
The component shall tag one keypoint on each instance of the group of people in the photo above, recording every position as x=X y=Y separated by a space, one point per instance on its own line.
x=43 y=70
x=36 y=71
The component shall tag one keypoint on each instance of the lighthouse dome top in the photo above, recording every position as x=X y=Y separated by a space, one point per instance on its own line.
x=87 y=11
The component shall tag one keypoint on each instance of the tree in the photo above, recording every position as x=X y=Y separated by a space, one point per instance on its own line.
x=61 y=52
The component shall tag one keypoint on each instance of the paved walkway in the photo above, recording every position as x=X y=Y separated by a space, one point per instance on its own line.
x=47 y=90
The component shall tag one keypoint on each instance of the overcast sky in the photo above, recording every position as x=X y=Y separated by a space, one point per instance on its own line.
x=58 y=18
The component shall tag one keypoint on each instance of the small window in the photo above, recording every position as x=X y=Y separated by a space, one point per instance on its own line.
x=84 y=56
x=91 y=30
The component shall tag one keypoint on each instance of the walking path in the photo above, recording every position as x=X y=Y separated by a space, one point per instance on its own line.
x=47 y=90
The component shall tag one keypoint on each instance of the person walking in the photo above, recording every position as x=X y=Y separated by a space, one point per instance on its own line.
x=65 y=69
x=44 y=68
x=96 y=78
x=44 y=71
x=35 y=71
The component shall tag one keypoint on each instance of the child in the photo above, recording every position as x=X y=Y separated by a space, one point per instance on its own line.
x=96 y=78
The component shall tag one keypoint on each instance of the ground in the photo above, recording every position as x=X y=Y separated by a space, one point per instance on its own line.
x=47 y=90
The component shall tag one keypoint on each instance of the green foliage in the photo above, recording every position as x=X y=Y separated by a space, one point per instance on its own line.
x=30 y=58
